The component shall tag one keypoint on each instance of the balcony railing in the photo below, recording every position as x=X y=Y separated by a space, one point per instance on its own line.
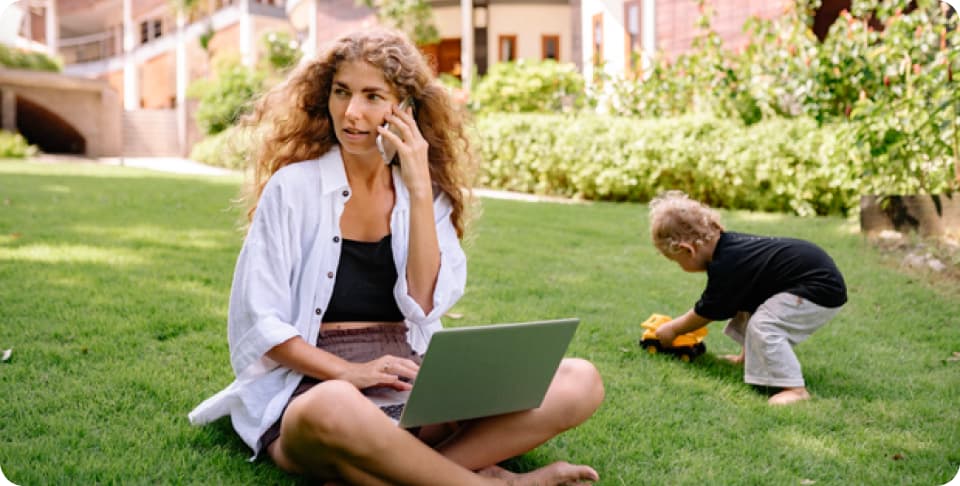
x=109 y=43
x=89 y=48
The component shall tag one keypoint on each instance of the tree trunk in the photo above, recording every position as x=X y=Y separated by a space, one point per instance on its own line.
x=928 y=215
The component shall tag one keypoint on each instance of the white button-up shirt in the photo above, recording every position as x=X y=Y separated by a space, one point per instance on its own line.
x=284 y=279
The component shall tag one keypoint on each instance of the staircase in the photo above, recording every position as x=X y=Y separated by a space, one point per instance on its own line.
x=150 y=133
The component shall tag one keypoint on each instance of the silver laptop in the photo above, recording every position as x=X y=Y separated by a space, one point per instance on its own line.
x=479 y=371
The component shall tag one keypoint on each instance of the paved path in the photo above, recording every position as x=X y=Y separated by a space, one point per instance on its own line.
x=162 y=164
x=187 y=166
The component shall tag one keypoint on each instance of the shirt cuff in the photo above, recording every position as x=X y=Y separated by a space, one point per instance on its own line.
x=259 y=339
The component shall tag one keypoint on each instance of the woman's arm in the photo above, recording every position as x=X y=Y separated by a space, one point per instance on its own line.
x=423 y=254
x=298 y=355
x=423 y=248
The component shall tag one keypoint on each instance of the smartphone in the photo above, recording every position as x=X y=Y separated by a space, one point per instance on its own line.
x=387 y=150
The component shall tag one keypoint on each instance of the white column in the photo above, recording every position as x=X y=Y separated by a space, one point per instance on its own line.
x=246 y=34
x=131 y=76
x=648 y=34
x=466 y=43
x=52 y=33
x=310 y=44
x=182 y=78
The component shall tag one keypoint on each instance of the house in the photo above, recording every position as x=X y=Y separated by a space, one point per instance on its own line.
x=131 y=60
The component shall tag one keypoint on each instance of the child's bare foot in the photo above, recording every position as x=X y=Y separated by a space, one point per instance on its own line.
x=558 y=473
x=789 y=395
x=736 y=359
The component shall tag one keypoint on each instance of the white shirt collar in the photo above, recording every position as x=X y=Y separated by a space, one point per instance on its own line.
x=333 y=177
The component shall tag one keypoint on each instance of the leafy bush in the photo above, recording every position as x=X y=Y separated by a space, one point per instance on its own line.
x=14 y=146
x=777 y=165
x=19 y=59
x=281 y=51
x=907 y=123
x=224 y=99
x=529 y=86
x=885 y=68
x=230 y=148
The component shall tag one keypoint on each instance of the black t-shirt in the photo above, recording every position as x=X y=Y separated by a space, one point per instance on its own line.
x=746 y=270
x=363 y=290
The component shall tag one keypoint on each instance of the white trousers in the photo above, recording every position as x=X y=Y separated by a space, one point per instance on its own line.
x=769 y=335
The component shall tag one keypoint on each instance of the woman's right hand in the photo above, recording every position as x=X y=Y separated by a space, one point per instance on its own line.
x=386 y=370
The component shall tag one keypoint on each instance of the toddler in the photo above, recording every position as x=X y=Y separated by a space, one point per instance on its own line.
x=774 y=291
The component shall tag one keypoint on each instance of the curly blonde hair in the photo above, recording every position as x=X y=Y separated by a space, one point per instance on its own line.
x=676 y=219
x=293 y=119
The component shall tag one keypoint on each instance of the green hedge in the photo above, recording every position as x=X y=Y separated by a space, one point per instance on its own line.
x=14 y=146
x=776 y=165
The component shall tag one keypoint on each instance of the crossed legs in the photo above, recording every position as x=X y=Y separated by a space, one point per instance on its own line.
x=334 y=432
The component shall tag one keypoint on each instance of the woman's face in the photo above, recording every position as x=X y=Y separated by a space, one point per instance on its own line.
x=360 y=98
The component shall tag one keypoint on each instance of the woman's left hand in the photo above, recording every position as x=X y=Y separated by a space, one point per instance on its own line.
x=412 y=151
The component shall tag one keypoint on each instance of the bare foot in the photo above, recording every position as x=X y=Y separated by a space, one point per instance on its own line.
x=558 y=473
x=788 y=396
x=736 y=359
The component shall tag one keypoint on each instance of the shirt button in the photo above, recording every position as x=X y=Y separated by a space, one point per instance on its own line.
x=318 y=311
x=336 y=239
x=329 y=274
x=346 y=193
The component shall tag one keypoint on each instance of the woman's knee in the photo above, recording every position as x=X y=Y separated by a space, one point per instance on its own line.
x=578 y=389
x=324 y=413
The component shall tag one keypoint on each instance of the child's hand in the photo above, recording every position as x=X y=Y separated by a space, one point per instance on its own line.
x=666 y=334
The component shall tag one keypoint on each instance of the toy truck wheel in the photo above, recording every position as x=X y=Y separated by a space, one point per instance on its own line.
x=685 y=357
x=652 y=346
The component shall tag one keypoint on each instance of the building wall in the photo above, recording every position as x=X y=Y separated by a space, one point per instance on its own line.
x=91 y=107
x=339 y=17
x=115 y=80
x=158 y=82
x=514 y=20
x=676 y=21
x=225 y=41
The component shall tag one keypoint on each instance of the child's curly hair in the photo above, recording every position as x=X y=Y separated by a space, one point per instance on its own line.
x=676 y=219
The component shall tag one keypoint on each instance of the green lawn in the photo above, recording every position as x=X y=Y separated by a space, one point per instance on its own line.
x=113 y=295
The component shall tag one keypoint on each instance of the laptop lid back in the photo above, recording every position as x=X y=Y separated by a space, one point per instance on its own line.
x=478 y=371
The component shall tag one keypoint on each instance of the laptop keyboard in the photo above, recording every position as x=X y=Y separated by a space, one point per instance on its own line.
x=393 y=411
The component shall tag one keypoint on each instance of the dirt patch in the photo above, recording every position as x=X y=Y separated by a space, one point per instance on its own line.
x=933 y=259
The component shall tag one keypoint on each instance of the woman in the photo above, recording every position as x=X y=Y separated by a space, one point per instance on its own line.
x=345 y=271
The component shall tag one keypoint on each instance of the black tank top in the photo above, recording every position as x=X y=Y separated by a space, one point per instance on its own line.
x=363 y=290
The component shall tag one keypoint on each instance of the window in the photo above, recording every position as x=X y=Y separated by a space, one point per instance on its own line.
x=634 y=45
x=157 y=28
x=550 y=47
x=597 y=39
x=144 y=32
x=508 y=48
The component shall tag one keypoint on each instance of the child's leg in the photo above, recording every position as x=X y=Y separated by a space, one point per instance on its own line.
x=780 y=323
x=736 y=328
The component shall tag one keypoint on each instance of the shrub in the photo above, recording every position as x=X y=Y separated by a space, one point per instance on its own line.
x=776 y=165
x=281 y=51
x=14 y=146
x=224 y=99
x=529 y=86
x=34 y=61
x=230 y=148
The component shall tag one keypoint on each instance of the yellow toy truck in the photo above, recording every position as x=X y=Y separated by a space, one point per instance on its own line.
x=686 y=346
